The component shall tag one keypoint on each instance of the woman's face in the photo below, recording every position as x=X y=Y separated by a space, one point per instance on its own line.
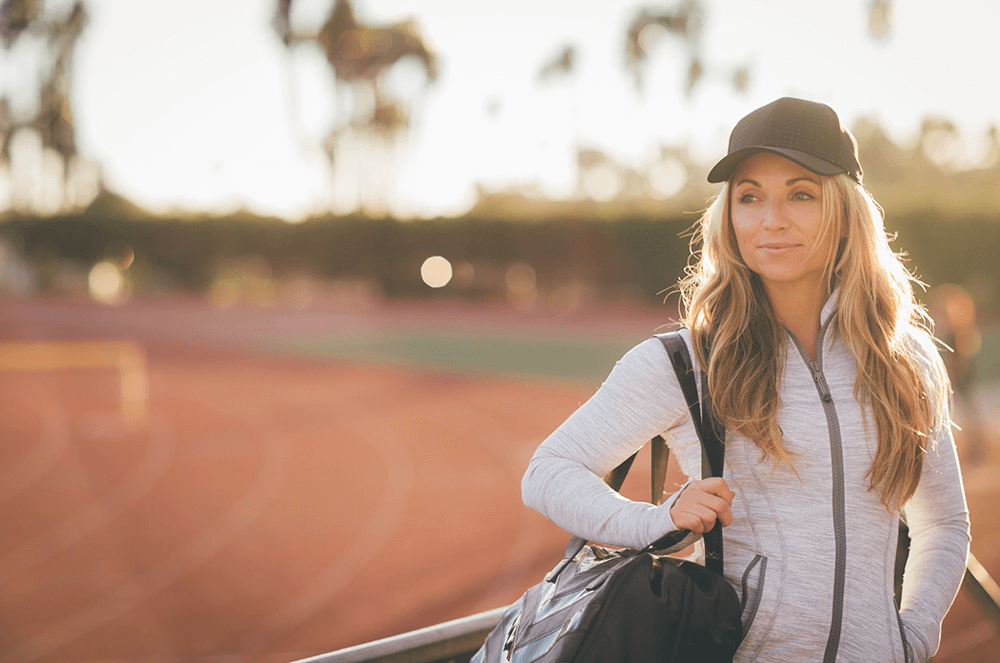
x=777 y=214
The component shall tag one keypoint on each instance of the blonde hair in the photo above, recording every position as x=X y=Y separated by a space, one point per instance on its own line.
x=738 y=339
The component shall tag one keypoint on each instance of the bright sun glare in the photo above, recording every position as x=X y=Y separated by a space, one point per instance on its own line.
x=216 y=115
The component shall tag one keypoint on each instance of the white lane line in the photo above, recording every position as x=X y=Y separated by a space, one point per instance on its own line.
x=97 y=514
x=525 y=542
x=400 y=477
x=52 y=443
x=197 y=551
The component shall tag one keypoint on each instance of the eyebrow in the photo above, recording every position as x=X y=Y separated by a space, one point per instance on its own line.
x=787 y=183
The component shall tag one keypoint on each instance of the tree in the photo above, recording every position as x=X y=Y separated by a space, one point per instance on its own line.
x=50 y=117
x=685 y=23
x=360 y=56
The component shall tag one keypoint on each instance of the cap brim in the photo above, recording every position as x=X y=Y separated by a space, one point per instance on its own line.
x=724 y=169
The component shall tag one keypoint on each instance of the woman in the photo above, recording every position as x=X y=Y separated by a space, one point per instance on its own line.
x=834 y=400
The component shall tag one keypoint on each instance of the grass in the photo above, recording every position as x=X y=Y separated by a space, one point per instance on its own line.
x=580 y=360
x=572 y=359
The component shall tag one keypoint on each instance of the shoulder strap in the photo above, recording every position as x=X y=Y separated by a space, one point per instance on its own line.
x=710 y=431
x=713 y=455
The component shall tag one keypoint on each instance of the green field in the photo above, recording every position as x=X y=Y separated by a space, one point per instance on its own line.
x=580 y=360
x=532 y=355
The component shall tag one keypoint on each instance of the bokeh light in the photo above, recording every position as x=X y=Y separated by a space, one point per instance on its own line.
x=249 y=281
x=436 y=272
x=521 y=281
x=126 y=258
x=106 y=283
x=602 y=183
x=465 y=274
x=666 y=179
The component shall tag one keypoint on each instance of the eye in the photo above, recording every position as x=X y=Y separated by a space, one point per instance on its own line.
x=802 y=196
x=747 y=198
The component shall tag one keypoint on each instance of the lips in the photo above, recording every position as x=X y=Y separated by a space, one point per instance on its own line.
x=779 y=246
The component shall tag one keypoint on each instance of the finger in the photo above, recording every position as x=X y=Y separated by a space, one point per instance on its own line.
x=725 y=516
x=684 y=520
x=689 y=522
x=698 y=503
x=713 y=502
x=698 y=518
x=721 y=509
x=708 y=519
x=716 y=486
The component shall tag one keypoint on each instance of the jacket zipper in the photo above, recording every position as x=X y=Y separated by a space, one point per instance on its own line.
x=902 y=635
x=837 y=467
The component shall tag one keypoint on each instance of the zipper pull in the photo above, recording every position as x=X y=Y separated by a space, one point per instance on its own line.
x=824 y=389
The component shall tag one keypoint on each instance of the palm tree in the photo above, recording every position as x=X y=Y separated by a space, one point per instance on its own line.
x=685 y=23
x=360 y=56
x=650 y=25
x=52 y=120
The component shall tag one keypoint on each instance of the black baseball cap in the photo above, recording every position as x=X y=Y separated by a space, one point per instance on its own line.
x=808 y=133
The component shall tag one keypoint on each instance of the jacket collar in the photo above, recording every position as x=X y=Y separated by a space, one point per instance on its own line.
x=830 y=307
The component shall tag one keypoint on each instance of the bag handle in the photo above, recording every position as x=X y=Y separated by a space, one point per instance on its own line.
x=660 y=453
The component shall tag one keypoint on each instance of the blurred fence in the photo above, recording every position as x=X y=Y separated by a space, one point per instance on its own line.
x=635 y=257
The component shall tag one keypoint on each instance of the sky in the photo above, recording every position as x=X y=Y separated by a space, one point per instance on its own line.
x=195 y=105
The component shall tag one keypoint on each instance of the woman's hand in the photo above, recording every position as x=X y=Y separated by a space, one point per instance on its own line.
x=701 y=504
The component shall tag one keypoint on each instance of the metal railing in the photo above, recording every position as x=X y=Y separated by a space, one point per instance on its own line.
x=983 y=591
x=451 y=642
x=456 y=641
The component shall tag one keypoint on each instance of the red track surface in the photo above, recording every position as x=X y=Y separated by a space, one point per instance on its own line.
x=275 y=508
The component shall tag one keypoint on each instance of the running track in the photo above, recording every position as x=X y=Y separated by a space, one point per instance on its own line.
x=274 y=508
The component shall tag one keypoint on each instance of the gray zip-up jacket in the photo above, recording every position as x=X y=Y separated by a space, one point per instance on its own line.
x=815 y=552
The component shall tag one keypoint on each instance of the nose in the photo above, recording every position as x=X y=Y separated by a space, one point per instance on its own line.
x=774 y=215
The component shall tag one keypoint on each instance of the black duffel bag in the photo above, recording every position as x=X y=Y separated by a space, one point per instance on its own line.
x=634 y=606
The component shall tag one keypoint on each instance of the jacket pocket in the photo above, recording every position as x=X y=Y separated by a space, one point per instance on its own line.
x=752 y=586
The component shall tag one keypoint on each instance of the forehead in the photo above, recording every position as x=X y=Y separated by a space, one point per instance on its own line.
x=768 y=165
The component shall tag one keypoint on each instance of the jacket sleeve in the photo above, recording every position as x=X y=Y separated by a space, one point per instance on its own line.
x=938 y=519
x=639 y=399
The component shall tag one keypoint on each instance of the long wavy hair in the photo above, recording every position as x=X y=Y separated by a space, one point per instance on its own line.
x=738 y=339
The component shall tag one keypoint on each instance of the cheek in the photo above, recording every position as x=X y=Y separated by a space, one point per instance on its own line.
x=812 y=225
x=743 y=232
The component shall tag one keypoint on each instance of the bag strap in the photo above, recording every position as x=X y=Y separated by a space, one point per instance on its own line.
x=711 y=432
x=660 y=453
x=684 y=370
